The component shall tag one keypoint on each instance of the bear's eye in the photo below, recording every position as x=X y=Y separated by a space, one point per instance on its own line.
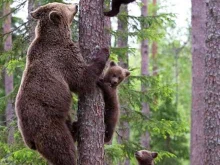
x=114 y=75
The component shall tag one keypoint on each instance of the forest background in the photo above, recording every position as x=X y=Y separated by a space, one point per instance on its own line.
x=156 y=99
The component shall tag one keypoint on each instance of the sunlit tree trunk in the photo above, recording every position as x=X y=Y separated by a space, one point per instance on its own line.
x=91 y=106
x=212 y=84
x=198 y=75
x=122 y=42
x=145 y=138
x=9 y=112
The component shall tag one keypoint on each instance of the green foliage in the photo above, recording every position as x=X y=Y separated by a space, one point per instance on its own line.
x=167 y=122
x=17 y=153
x=167 y=94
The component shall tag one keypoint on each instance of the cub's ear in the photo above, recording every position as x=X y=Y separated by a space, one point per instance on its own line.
x=36 y=14
x=154 y=154
x=55 y=17
x=127 y=73
x=112 y=63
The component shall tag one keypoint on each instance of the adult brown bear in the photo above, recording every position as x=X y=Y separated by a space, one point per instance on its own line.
x=54 y=69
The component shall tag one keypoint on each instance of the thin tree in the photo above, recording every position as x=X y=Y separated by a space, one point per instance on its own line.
x=91 y=106
x=8 y=79
x=198 y=75
x=122 y=42
x=145 y=138
x=212 y=85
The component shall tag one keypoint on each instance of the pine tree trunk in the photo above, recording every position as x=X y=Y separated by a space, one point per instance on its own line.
x=198 y=75
x=212 y=84
x=122 y=42
x=1 y=51
x=145 y=138
x=9 y=112
x=91 y=106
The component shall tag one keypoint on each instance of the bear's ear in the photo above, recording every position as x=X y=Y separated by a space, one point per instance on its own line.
x=55 y=17
x=127 y=73
x=154 y=154
x=112 y=63
x=36 y=14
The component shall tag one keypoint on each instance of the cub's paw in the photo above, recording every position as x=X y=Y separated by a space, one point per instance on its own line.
x=100 y=82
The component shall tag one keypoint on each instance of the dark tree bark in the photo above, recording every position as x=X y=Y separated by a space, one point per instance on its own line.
x=122 y=42
x=212 y=84
x=9 y=112
x=145 y=138
x=91 y=106
x=198 y=75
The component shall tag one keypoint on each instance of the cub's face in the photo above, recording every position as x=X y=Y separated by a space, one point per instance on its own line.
x=145 y=157
x=56 y=13
x=115 y=74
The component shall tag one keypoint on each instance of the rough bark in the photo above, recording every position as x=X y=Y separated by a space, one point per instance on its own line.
x=198 y=75
x=145 y=138
x=212 y=84
x=1 y=51
x=91 y=106
x=8 y=79
x=122 y=42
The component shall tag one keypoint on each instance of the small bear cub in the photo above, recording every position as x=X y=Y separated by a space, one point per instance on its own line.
x=116 y=7
x=112 y=78
x=145 y=157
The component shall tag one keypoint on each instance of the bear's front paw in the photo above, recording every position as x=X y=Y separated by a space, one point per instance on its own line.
x=100 y=55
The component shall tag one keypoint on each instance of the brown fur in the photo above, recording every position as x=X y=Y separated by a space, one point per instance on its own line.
x=54 y=69
x=113 y=77
x=116 y=7
x=145 y=157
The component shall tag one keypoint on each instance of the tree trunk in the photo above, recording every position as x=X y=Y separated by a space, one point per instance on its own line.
x=9 y=112
x=212 y=84
x=122 y=42
x=145 y=138
x=91 y=106
x=1 y=51
x=198 y=75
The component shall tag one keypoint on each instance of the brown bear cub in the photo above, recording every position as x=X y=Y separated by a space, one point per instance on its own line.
x=112 y=78
x=116 y=7
x=54 y=69
x=145 y=157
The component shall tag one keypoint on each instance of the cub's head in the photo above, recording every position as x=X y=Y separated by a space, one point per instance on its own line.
x=55 y=14
x=145 y=157
x=115 y=74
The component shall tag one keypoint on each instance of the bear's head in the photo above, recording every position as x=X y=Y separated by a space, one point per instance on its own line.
x=145 y=157
x=115 y=74
x=54 y=17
